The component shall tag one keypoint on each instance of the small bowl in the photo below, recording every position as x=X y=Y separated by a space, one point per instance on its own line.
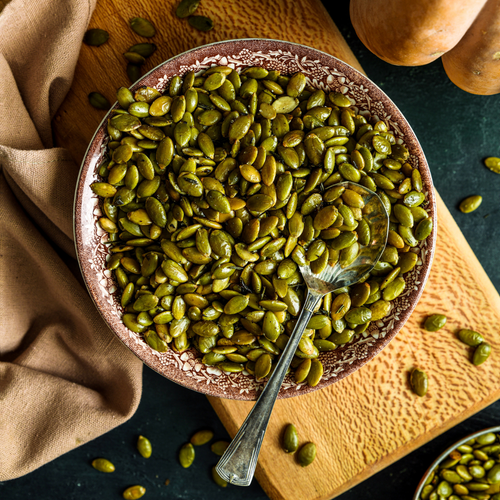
x=322 y=71
x=445 y=454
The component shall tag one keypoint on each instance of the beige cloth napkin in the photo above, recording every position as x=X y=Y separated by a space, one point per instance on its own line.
x=64 y=377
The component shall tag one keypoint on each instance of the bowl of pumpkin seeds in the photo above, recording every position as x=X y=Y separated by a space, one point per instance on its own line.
x=214 y=178
x=468 y=469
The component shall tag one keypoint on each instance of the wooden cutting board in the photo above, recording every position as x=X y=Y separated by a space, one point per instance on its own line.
x=370 y=419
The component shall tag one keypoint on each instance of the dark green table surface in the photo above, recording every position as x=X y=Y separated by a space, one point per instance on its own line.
x=457 y=130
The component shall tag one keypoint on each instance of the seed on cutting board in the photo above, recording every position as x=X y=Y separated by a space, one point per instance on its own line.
x=419 y=382
x=493 y=164
x=201 y=437
x=470 y=204
x=306 y=454
x=470 y=337
x=103 y=465
x=95 y=37
x=98 y=101
x=143 y=49
x=290 y=440
x=134 y=58
x=481 y=354
x=186 y=455
x=134 y=492
x=201 y=23
x=219 y=447
x=142 y=27
x=186 y=8
x=144 y=446
x=435 y=322
x=133 y=72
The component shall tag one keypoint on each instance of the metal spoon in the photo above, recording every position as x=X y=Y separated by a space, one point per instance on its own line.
x=237 y=465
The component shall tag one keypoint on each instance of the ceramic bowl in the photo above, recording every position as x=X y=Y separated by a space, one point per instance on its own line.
x=323 y=71
x=445 y=454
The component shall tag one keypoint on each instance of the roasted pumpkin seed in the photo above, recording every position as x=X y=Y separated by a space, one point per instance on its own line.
x=134 y=492
x=186 y=455
x=95 y=37
x=435 y=322
x=306 y=454
x=201 y=23
x=103 y=465
x=470 y=204
x=202 y=437
x=290 y=440
x=144 y=446
x=142 y=27
x=419 y=382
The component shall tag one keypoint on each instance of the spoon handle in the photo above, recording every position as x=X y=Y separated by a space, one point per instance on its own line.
x=237 y=465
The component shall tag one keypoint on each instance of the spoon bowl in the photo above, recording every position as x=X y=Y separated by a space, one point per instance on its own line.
x=238 y=463
x=334 y=277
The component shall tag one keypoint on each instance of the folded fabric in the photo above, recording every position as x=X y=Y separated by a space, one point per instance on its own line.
x=64 y=377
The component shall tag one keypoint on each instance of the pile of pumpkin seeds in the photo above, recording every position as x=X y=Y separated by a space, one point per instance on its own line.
x=187 y=8
x=215 y=192
x=471 y=471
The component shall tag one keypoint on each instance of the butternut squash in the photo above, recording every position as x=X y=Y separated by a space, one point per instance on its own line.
x=474 y=63
x=414 y=32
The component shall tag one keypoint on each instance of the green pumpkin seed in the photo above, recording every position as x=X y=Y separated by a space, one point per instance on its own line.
x=144 y=49
x=102 y=464
x=134 y=492
x=481 y=354
x=470 y=204
x=470 y=337
x=263 y=366
x=125 y=123
x=435 y=322
x=493 y=164
x=419 y=382
x=314 y=375
x=414 y=199
x=144 y=447
x=95 y=37
x=98 y=101
x=186 y=8
x=134 y=72
x=424 y=229
x=290 y=439
x=236 y=304
x=201 y=23
x=219 y=447
x=142 y=27
x=217 y=479
x=306 y=454
x=134 y=58
x=186 y=455
x=202 y=437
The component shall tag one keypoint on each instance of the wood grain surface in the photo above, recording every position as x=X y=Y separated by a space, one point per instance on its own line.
x=370 y=419
x=103 y=69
